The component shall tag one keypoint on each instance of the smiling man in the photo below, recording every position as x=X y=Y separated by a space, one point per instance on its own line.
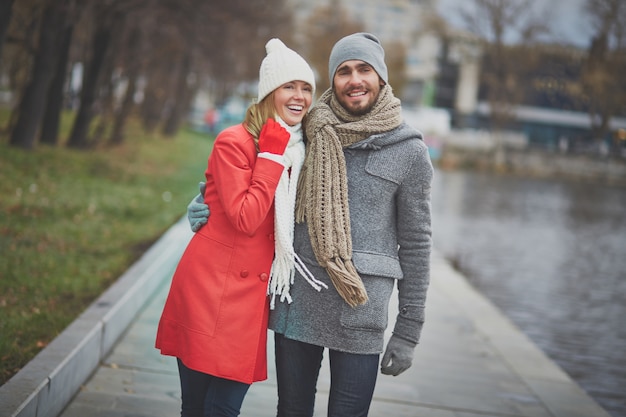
x=363 y=226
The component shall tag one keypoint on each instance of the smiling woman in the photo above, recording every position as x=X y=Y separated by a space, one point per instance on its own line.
x=215 y=317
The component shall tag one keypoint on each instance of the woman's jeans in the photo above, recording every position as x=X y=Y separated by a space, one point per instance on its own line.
x=352 y=379
x=206 y=395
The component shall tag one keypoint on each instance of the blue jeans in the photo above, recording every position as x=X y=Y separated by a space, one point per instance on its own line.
x=352 y=379
x=206 y=395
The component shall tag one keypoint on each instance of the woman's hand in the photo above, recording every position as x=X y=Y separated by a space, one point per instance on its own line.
x=273 y=138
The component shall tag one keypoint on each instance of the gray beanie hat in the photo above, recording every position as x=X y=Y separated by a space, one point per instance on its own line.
x=362 y=46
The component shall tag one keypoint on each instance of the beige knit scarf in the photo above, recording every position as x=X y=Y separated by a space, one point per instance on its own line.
x=322 y=199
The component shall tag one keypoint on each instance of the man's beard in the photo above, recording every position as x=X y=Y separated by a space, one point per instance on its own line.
x=360 y=110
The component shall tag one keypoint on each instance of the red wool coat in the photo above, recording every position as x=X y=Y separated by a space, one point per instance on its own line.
x=215 y=316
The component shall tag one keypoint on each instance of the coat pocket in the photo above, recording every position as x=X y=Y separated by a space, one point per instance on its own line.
x=368 y=263
x=373 y=315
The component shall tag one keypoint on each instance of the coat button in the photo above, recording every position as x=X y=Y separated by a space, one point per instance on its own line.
x=271 y=236
x=243 y=273
x=263 y=276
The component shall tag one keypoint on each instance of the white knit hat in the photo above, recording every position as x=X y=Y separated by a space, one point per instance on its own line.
x=280 y=66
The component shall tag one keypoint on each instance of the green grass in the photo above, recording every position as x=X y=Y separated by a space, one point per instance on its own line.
x=71 y=222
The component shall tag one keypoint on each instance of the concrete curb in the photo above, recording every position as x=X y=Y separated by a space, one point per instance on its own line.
x=45 y=386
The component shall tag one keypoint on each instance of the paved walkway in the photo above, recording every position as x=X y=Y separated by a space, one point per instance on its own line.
x=471 y=362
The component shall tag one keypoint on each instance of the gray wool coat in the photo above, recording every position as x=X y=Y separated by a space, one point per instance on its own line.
x=389 y=179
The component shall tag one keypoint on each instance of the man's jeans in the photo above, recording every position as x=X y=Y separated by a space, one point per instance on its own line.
x=353 y=378
x=207 y=395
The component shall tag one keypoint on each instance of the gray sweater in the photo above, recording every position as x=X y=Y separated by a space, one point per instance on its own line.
x=389 y=177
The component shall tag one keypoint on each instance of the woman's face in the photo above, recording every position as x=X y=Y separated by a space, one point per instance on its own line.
x=292 y=100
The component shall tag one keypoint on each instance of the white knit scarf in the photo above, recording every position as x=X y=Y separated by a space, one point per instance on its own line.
x=285 y=258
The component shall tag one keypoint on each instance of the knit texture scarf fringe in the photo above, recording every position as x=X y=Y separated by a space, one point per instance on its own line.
x=285 y=259
x=322 y=199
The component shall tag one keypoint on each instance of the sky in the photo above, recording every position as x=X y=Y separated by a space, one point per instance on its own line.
x=570 y=22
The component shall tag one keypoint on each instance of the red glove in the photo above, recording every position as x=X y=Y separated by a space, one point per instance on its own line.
x=273 y=138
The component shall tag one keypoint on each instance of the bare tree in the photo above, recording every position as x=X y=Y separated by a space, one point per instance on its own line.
x=132 y=64
x=54 y=105
x=216 y=44
x=501 y=24
x=32 y=105
x=157 y=77
x=108 y=18
x=507 y=29
x=221 y=40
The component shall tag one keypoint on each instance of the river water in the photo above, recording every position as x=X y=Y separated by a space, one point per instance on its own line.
x=552 y=256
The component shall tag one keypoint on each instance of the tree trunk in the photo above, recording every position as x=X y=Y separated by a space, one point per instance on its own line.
x=117 y=134
x=153 y=107
x=151 y=110
x=32 y=105
x=108 y=86
x=181 y=100
x=6 y=9
x=101 y=41
x=106 y=103
x=54 y=107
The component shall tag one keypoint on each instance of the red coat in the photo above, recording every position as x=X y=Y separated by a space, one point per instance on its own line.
x=215 y=316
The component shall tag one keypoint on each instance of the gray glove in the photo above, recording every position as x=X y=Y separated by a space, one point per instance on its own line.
x=398 y=357
x=198 y=212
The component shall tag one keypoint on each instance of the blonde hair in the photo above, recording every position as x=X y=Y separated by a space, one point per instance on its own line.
x=257 y=114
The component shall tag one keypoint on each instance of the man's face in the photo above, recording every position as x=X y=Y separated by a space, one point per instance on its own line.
x=356 y=85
